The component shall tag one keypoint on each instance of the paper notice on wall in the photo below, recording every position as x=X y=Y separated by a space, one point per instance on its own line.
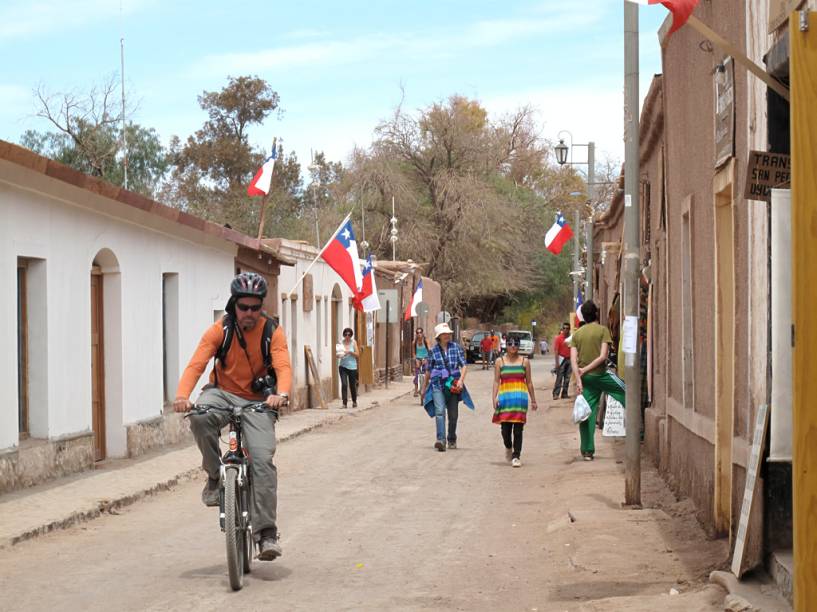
x=614 y=424
x=628 y=201
x=629 y=334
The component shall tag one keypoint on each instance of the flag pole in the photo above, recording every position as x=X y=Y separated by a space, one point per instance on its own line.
x=331 y=238
x=265 y=199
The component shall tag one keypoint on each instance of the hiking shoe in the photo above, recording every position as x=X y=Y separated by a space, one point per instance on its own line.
x=508 y=454
x=452 y=445
x=515 y=462
x=440 y=446
x=209 y=495
x=269 y=549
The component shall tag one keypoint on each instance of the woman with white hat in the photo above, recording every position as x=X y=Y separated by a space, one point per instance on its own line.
x=443 y=386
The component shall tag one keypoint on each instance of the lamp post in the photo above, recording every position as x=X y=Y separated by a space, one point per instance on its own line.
x=562 y=151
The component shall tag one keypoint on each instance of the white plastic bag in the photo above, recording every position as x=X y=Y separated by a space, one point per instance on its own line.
x=614 y=423
x=581 y=409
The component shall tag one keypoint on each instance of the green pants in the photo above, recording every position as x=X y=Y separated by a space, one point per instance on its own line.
x=593 y=386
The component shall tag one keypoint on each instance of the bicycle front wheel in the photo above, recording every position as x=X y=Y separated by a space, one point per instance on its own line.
x=233 y=531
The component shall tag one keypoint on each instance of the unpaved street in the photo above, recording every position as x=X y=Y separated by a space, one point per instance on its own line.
x=373 y=518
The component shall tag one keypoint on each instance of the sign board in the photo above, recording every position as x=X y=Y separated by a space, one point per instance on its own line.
x=764 y=172
x=724 y=112
x=614 y=425
x=443 y=316
x=422 y=309
x=749 y=491
x=388 y=296
x=629 y=334
x=779 y=12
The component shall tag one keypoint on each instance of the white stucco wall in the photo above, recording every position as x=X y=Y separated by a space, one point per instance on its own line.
x=66 y=228
x=306 y=328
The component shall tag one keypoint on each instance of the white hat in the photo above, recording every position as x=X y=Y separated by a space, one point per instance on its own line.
x=442 y=328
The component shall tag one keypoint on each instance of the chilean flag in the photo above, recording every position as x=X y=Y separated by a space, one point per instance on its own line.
x=680 y=9
x=263 y=178
x=411 y=309
x=558 y=235
x=341 y=255
x=367 y=300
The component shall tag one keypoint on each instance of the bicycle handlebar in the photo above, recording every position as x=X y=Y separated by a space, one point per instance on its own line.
x=256 y=407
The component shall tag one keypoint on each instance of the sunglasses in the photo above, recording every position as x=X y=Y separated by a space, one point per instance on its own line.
x=512 y=342
x=347 y=335
x=420 y=333
x=246 y=307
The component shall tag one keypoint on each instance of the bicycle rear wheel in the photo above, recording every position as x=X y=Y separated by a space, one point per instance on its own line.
x=233 y=531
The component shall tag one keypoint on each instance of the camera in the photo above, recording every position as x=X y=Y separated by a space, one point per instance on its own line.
x=265 y=385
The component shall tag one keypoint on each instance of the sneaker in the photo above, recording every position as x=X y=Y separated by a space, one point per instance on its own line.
x=587 y=456
x=515 y=462
x=354 y=404
x=269 y=549
x=440 y=446
x=345 y=405
x=565 y=396
x=452 y=445
x=508 y=454
x=209 y=496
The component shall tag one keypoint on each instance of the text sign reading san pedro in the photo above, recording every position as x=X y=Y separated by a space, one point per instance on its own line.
x=766 y=171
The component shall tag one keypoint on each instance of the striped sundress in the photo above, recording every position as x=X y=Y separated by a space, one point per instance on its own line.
x=512 y=398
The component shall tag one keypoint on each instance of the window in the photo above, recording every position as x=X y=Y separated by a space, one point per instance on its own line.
x=170 y=334
x=318 y=326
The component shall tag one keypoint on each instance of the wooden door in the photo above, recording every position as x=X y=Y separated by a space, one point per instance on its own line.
x=97 y=367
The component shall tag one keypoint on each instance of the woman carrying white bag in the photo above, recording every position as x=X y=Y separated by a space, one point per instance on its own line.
x=588 y=355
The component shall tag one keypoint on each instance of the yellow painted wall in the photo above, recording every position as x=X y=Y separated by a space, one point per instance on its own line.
x=804 y=254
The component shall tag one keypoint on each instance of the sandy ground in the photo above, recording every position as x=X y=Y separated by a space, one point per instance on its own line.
x=373 y=518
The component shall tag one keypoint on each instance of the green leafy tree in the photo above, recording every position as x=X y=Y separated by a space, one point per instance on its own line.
x=88 y=137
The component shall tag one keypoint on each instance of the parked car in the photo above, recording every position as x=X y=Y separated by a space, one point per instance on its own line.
x=527 y=347
x=473 y=352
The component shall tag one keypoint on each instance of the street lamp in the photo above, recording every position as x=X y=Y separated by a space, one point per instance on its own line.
x=561 y=152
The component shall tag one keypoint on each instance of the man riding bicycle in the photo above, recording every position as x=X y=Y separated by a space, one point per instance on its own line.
x=239 y=378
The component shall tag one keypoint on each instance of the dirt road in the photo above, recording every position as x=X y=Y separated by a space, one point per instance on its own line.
x=373 y=518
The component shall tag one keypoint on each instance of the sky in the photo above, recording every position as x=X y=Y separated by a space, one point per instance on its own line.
x=339 y=67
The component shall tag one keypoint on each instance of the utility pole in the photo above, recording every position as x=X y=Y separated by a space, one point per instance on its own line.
x=632 y=260
x=591 y=195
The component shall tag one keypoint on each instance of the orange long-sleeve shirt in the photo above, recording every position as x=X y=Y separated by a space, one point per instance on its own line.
x=237 y=377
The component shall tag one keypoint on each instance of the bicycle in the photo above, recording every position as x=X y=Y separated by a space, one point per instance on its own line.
x=235 y=494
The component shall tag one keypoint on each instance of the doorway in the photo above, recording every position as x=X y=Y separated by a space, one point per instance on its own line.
x=724 y=347
x=97 y=364
x=337 y=300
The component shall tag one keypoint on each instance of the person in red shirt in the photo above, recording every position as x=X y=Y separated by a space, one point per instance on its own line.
x=561 y=353
x=486 y=346
x=231 y=384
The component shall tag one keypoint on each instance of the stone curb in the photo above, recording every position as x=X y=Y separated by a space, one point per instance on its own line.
x=110 y=506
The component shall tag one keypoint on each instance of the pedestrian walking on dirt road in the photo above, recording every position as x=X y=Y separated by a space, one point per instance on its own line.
x=420 y=359
x=347 y=367
x=588 y=354
x=444 y=385
x=486 y=347
x=561 y=355
x=512 y=386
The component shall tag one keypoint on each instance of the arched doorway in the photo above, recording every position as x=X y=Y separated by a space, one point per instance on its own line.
x=106 y=357
x=337 y=301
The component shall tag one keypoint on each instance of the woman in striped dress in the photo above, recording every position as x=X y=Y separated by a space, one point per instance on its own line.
x=512 y=385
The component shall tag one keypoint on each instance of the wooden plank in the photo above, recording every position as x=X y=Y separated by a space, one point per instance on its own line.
x=739 y=556
x=803 y=46
x=313 y=369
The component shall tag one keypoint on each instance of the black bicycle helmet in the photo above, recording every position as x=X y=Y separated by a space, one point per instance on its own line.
x=249 y=284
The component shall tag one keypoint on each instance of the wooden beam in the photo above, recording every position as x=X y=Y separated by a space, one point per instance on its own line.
x=804 y=279
x=730 y=49
x=313 y=369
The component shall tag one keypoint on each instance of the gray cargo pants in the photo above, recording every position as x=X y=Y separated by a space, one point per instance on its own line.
x=258 y=431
